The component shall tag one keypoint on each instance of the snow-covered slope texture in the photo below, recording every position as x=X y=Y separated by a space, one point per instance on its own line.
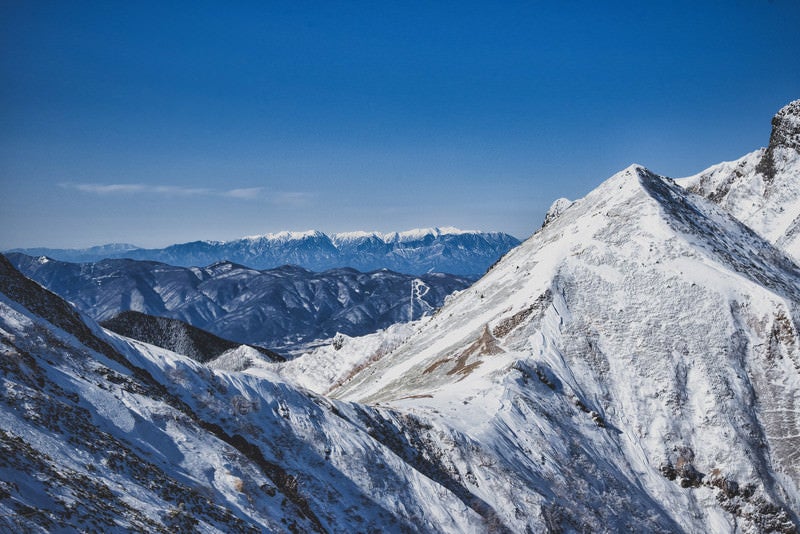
x=180 y=337
x=762 y=189
x=282 y=308
x=100 y=433
x=444 y=250
x=634 y=366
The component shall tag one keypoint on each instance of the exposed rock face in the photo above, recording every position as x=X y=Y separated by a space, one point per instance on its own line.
x=556 y=209
x=762 y=189
x=784 y=142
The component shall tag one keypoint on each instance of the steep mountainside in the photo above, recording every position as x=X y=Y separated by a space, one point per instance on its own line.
x=283 y=308
x=634 y=365
x=762 y=189
x=180 y=337
x=99 y=433
x=444 y=250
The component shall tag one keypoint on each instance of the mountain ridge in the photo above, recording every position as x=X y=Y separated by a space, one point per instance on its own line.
x=180 y=337
x=284 y=308
x=762 y=189
x=101 y=432
x=698 y=319
x=418 y=251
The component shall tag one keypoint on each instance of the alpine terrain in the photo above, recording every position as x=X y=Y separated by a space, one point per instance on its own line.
x=761 y=189
x=284 y=309
x=633 y=366
x=443 y=250
x=182 y=338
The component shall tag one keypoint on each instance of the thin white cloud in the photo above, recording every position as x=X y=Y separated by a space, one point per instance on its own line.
x=106 y=189
x=243 y=193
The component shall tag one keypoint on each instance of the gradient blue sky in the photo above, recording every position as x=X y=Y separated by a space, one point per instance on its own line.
x=153 y=124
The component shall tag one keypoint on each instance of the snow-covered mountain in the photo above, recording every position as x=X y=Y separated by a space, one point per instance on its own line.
x=100 y=433
x=445 y=250
x=762 y=189
x=283 y=309
x=633 y=366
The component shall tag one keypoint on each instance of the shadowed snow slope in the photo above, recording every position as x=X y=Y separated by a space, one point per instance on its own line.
x=762 y=189
x=634 y=365
x=181 y=337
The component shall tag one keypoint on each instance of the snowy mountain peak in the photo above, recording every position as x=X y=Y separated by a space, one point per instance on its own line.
x=644 y=319
x=283 y=236
x=346 y=237
x=342 y=237
x=762 y=189
x=419 y=234
x=418 y=251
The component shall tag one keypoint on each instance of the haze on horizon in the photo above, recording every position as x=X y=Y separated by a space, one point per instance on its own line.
x=153 y=124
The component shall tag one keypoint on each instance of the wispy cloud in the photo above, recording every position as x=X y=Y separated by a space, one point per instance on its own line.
x=244 y=193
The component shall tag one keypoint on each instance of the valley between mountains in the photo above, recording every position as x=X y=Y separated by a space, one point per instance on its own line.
x=632 y=366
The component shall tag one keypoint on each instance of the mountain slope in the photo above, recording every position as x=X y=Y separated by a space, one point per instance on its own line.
x=636 y=360
x=634 y=366
x=102 y=433
x=444 y=250
x=180 y=337
x=762 y=189
x=283 y=308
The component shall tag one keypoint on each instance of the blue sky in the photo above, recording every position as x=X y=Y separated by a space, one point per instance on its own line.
x=153 y=124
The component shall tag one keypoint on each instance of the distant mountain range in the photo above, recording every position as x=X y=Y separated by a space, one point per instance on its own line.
x=283 y=309
x=444 y=250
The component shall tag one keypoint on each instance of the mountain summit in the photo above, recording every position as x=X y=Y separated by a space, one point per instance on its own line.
x=762 y=189
x=636 y=358
x=784 y=142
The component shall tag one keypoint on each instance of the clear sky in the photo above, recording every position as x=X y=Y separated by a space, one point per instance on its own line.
x=163 y=122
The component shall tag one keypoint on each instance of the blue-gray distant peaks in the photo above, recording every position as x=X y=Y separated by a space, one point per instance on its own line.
x=418 y=251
